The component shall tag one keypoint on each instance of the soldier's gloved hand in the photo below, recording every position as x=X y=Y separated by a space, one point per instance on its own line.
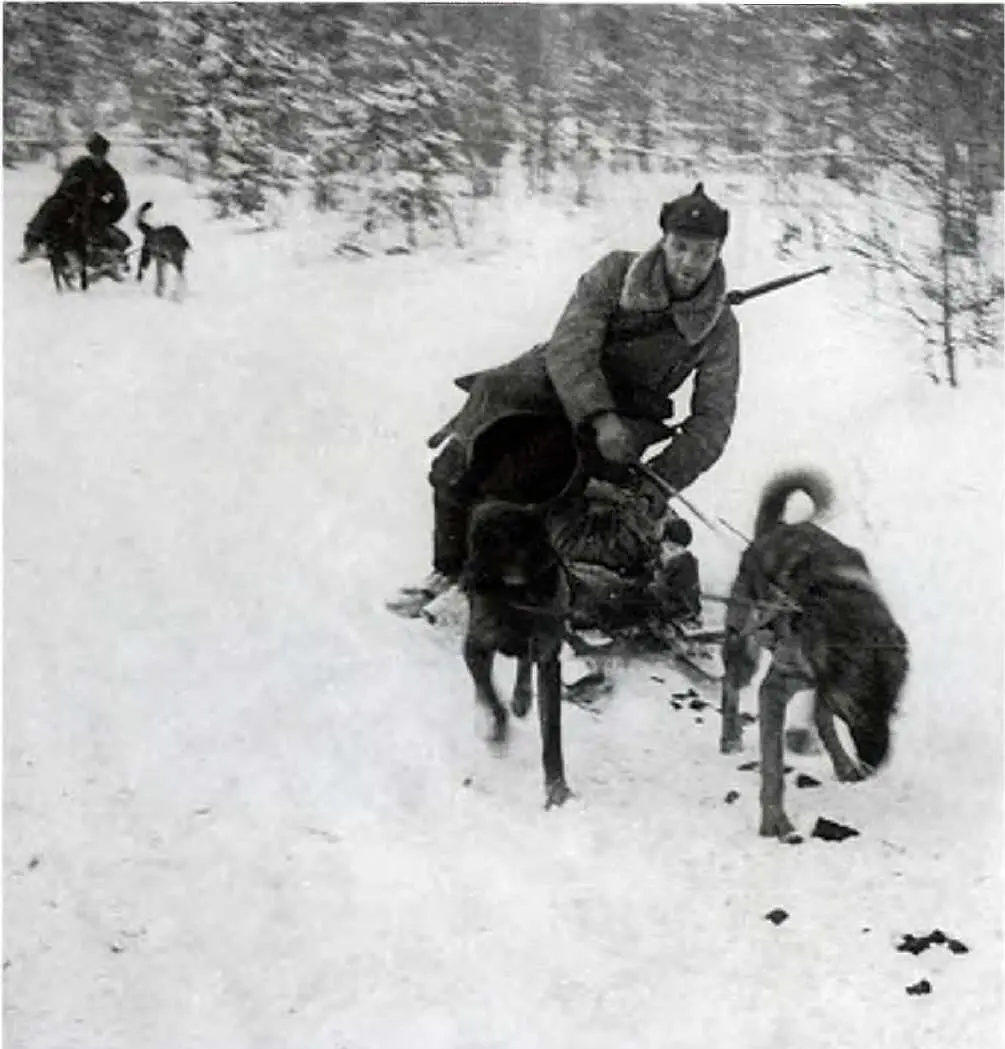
x=614 y=440
x=650 y=499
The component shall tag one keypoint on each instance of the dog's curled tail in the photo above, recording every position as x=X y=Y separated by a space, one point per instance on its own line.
x=771 y=509
x=141 y=217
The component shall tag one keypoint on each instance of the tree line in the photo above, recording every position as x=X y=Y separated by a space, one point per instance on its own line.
x=394 y=111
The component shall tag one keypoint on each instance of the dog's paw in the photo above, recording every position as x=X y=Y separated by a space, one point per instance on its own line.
x=498 y=744
x=777 y=825
x=850 y=773
x=731 y=744
x=520 y=704
x=497 y=738
x=556 y=793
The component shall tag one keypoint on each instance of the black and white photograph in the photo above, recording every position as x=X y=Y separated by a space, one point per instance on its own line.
x=503 y=525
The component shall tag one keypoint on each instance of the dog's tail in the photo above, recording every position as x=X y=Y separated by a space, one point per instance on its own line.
x=775 y=496
x=141 y=218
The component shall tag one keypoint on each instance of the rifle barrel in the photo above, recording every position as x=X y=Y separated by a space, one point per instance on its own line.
x=734 y=298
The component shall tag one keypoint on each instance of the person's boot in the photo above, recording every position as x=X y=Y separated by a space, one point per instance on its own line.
x=411 y=601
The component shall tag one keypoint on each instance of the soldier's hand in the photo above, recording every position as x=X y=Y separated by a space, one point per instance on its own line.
x=614 y=439
x=650 y=499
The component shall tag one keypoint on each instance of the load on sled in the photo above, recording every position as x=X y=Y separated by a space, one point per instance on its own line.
x=634 y=581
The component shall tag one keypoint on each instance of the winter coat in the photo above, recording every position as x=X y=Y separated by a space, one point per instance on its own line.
x=97 y=190
x=621 y=345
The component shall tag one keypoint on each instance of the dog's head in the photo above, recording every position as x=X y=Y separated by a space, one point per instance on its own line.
x=870 y=687
x=33 y=246
x=508 y=547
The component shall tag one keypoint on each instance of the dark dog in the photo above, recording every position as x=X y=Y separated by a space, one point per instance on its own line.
x=165 y=246
x=54 y=233
x=518 y=601
x=809 y=600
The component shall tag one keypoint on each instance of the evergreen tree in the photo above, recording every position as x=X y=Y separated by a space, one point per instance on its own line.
x=257 y=120
x=908 y=88
x=40 y=72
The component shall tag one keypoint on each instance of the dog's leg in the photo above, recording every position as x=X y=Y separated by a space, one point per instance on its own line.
x=846 y=769
x=479 y=662
x=549 y=707
x=739 y=657
x=61 y=271
x=143 y=263
x=82 y=254
x=159 y=269
x=776 y=690
x=523 y=687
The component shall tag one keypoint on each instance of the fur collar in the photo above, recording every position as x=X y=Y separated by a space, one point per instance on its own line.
x=645 y=290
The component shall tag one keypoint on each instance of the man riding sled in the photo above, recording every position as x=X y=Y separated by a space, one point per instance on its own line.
x=83 y=211
x=572 y=417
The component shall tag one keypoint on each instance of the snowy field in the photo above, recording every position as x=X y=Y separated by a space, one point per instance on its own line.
x=246 y=808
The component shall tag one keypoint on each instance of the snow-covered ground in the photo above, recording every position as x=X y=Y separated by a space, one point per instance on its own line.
x=245 y=807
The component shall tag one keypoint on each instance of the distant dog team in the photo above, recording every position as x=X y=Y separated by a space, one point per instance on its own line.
x=55 y=233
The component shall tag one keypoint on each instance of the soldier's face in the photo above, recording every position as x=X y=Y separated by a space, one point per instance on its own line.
x=689 y=261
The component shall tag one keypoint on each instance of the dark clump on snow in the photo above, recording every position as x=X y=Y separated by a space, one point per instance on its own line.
x=915 y=945
x=803 y=780
x=921 y=987
x=732 y=796
x=753 y=766
x=697 y=704
x=777 y=916
x=690 y=694
x=828 y=830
